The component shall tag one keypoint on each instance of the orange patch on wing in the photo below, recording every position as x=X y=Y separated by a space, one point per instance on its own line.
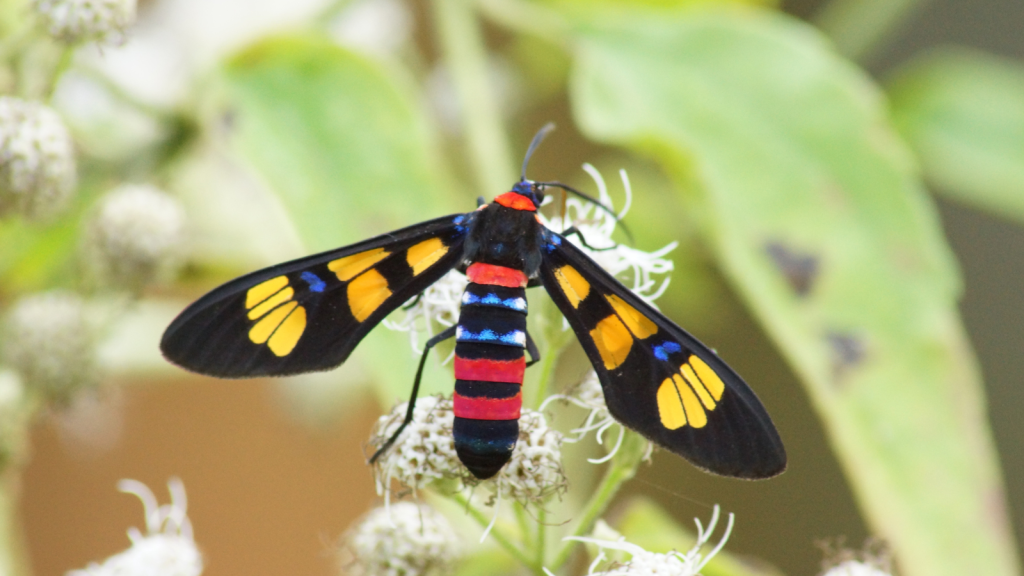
x=613 y=341
x=640 y=325
x=366 y=293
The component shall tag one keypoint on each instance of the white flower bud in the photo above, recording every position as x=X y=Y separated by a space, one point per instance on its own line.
x=48 y=341
x=135 y=236
x=167 y=547
x=404 y=539
x=37 y=162
x=80 y=20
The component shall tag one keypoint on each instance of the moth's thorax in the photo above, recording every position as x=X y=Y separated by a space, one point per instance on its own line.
x=507 y=237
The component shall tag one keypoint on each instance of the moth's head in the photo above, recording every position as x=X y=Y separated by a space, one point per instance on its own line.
x=530 y=189
x=525 y=195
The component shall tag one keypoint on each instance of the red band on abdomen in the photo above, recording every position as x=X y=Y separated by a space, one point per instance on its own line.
x=517 y=201
x=480 y=273
x=490 y=370
x=487 y=408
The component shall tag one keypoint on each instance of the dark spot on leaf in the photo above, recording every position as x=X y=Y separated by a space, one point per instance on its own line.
x=848 y=351
x=800 y=269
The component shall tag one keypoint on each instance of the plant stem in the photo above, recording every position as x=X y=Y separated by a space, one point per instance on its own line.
x=67 y=53
x=860 y=27
x=497 y=533
x=623 y=467
x=540 y=547
x=530 y=17
x=465 y=55
x=554 y=341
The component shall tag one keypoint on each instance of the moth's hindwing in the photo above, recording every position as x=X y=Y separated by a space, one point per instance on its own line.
x=310 y=313
x=658 y=379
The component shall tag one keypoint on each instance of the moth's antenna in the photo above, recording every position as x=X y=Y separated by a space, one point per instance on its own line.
x=594 y=201
x=533 y=146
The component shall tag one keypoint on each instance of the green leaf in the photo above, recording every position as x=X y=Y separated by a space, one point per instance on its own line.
x=811 y=207
x=350 y=155
x=962 y=111
x=337 y=137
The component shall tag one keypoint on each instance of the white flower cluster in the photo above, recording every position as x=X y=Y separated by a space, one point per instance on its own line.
x=425 y=451
x=135 y=235
x=855 y=568
x=37 y=162
x=535 y=469
x=404 y=539
x=644 y=563
x=167 y=547
x=80 y=20
x=596 y=226
x=49 y=342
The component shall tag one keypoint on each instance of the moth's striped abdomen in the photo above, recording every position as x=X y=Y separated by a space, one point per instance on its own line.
x=489 y=364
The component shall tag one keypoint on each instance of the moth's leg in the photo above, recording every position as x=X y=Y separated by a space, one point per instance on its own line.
x=448 y=333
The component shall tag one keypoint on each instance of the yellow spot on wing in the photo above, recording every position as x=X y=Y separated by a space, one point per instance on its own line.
x=694 y=382
x=273 y=302
x=265 y=327
x=711 y=380
x=613 y=341
x=670 y=409
x=288 y=333
x=695 y=415
x=574 y=286
x=366 y=293
x=638 y=324
x=349 y=267
x=678 y=405
x=425 y=254
x=259 y=292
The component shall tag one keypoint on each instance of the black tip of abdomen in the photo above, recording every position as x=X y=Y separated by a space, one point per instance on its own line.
x=485 y=446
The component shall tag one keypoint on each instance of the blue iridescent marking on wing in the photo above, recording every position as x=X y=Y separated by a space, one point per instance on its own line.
x=661 y=351
x=551 y=240
x=458 y=220
x=314 y=281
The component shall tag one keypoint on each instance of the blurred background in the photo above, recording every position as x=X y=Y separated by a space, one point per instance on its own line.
x=275 y=473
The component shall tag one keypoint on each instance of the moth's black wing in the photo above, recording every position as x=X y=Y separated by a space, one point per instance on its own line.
x=309 y=314
x=658 y=379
